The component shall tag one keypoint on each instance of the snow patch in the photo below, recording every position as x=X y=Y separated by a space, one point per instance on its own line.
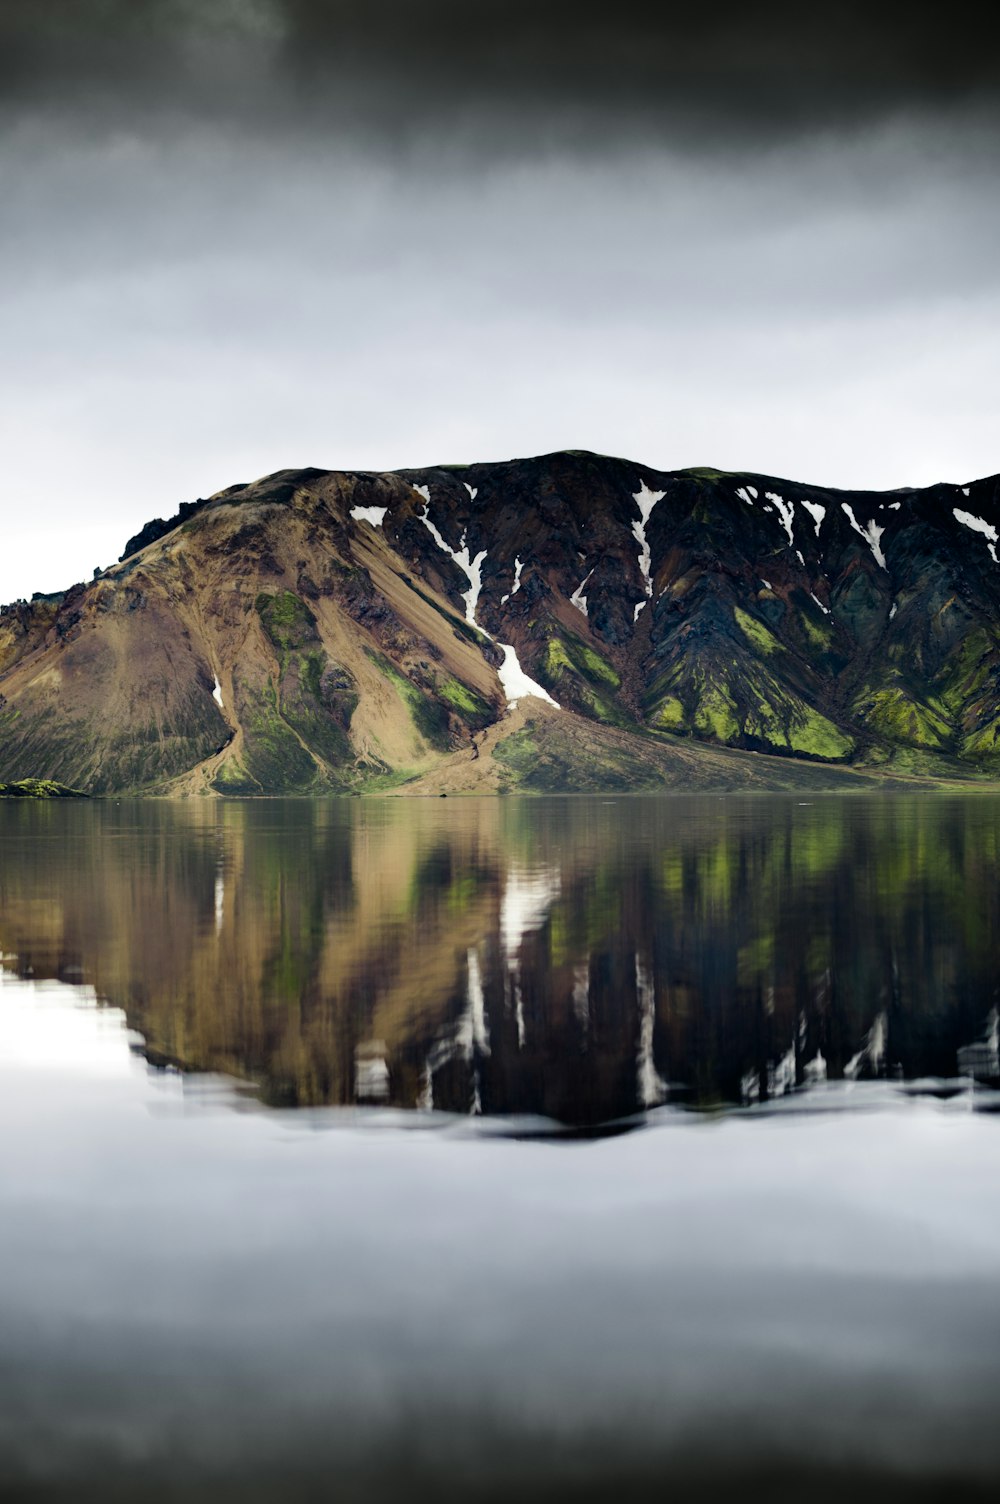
x=786 y=510
x=217 y=692
x=517 y=581
x=893 y=611
x=516 y=683
x=646 y=500
x=472 y=490
x=471 y=568
x=374 y=515
x=816 y=512
x=766 y=584
x=978 y=525
x=578 y=599
x=798 y=555
x=753 y=491
x=894 y=506
x=474 y=569
x=439 y=539
x=964 y=490
x=425 y=492
x=825 y=609
x=742 y=494
x=871 y=533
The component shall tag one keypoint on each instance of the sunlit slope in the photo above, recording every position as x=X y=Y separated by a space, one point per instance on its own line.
x=329 y=631
x=270 y=645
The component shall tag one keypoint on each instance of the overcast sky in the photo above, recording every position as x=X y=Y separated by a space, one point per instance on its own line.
x=239 y=235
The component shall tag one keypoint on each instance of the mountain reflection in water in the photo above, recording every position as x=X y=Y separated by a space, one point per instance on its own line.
x=582 y=959
x=206 y=1304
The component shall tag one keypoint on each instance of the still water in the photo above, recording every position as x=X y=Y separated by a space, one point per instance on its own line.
x=500 y=1148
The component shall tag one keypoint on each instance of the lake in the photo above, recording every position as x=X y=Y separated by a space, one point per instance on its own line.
x=500 y=1148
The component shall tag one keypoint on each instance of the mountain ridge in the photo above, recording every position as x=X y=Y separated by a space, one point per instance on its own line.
x=358 y=630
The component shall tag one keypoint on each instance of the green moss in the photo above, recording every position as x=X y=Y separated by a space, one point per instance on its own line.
x=429 y=715
x=756 y=633
x=274 y=757
x=715 y=715
x=286 y=619
x=38 y=788
x=819 y=635
x=898 y=716
x=311 y=666
x=556 y=659
x=318 y=729
x=669 y=714
x=983 y=742
x=597 y=667
x=470 y=706
x=517 y=751
x=572 y=654
x=582 y=680
x=968 y=672
x=233 y=779
x=604 y=709
x=382 y=780
x=306 y=716
x=812 y=734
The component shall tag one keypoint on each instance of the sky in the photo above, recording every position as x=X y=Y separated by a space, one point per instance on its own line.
x=241 y=235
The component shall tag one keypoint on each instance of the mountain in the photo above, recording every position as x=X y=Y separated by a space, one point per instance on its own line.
x=570 y=621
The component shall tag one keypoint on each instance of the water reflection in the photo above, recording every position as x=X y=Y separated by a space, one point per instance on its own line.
x=582 y=959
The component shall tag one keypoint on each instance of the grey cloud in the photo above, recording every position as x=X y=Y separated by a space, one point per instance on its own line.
x=505 y=72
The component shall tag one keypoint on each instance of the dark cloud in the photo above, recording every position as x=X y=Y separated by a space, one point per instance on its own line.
x=245 y=234
x=729 y=70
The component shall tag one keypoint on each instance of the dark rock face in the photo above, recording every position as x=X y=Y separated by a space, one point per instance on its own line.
x=767 y=615
x=159 y=527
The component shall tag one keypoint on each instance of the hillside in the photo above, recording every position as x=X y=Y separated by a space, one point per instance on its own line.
x=566 y=622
